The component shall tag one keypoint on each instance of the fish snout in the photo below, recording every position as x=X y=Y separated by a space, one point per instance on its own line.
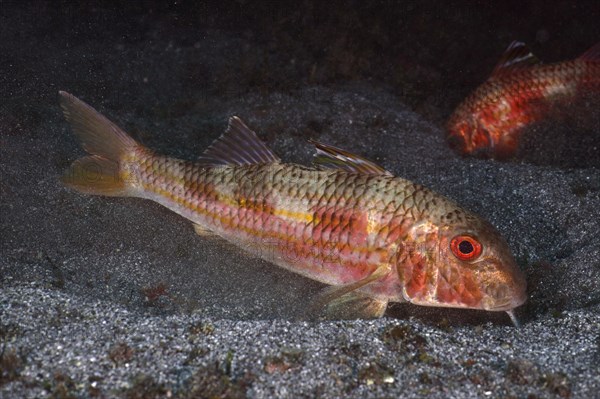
x=506 y=295
x=457 y=142
x=459 y=133
x=482 y=153
x=470 y=139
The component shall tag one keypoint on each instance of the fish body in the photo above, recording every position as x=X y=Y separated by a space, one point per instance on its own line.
x=373 y=237
x=520 y=91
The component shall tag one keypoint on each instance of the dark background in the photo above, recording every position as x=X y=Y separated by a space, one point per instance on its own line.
x=432 y=53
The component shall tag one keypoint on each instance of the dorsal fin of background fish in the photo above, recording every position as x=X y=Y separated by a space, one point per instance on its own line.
x=592 y=55
x=330 y=157
x=239 y=145
x=517 y=56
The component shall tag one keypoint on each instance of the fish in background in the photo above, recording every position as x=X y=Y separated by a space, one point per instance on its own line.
x=520 y=91
x=374 y=238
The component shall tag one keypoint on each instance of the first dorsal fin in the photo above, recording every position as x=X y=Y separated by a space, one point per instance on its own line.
x=238 y=146
x=328 y=156
x=516 y=56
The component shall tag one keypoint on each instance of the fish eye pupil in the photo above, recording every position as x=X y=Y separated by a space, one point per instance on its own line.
x=465 y=247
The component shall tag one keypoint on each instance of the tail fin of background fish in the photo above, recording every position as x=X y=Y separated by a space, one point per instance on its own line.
x=108 y=145
x=592 y=55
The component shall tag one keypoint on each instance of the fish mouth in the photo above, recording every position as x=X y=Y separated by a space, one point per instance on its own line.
x=482 y=143
x=457 y=142
x=514 y=296
x=482 y=153
x=502 y=307
x=506 y=305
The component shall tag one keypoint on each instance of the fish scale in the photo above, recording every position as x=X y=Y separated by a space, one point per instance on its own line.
x=299 y=202
x=373 y=237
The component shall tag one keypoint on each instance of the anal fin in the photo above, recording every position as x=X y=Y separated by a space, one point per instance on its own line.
x=202 y=231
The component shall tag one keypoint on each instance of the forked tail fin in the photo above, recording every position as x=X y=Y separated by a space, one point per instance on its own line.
x=100 y=172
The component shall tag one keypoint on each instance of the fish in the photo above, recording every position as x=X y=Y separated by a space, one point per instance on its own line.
x=520 y=91
x=345 y=221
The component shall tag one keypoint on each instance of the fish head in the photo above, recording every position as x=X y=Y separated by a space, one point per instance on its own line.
x=488 y=124
x=481 y=138
x=469 y=136
x=462 y=262
x=477 y=268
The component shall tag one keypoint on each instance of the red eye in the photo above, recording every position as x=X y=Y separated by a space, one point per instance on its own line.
x=465 y=247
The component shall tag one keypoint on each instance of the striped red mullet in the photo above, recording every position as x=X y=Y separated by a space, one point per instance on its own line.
x=349 y=223
x=519 y=92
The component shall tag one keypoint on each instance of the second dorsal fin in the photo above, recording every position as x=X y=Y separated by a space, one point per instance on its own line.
x=238 y=146
x=516 y=56
x=328 y=156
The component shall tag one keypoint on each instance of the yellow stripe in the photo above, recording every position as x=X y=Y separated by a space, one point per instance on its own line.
x=297 y=216
x=228 y=221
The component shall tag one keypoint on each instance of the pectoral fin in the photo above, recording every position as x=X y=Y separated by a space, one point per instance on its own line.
x=345 y=302
x=354 y=305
